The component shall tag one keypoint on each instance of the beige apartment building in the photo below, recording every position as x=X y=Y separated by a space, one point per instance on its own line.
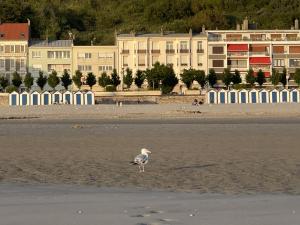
x=95 y=59
x=142 y=51
x=13 y=48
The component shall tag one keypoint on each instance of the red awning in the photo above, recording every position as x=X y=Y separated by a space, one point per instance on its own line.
x=260 y=60
x=267 y=74
x=237 y=48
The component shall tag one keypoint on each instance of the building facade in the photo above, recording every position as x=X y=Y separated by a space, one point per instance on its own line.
x=14 y=39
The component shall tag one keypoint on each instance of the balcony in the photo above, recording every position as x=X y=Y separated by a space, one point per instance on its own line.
x=155 y=51
x=237 y=54
x=125 y=51
x=259 y=53
x=125 y=64
x=141 y=64
x=183 y=64
x=200 y=50
x=170 y=51
x=184 y=51
x=141 y=51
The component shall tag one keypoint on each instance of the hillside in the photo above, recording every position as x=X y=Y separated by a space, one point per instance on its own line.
x=98 y=19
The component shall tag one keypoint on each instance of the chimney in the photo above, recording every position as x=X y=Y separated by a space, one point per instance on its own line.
x=238 y=27
x=246 y=23
x=296 y=24
x=203 y=29
x=191 y=32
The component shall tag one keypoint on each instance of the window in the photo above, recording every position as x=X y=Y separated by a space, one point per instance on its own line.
x=36 y=54
x=199 y=61
x=88 y=55
x=12 y=48
x=58 y=54
x=88 y=68
x=2 y=64
x=51 y=54
x=22 y=48
x=184 y=45
x=199 y=45
x=184 y=60
x=125 y=60
x=7 y=48
x=218 y=50
x=278 y=62
x=294 y=62
x=12 y=63
x=170 y=60
x=218 y=63
x=237 y=63
x=169 y=45
x=66 y=54
x=154 y=60
x=23 y=64
x=80 y=67
x=1 y=48
x=142 y=60
x=105 y=68
x=7 y=64
x=18 y=64
x=36 y=68
x=17 y=48
x=155 y=45
x=105 y=55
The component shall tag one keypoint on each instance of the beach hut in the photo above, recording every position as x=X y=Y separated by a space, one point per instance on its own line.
x=14 y=98
x=56 y=97
x=284 y=95
x=294 y=96
x=253 y=96
x=46 y=98
x=24 y=98
x=35 y=98
x=212 y=97
x=233 y=96
x=78 y=98
x=263 y=96
x=243 y=96
x=68 y=97
x=222 y=96
x=89 y=98
x=274 y=96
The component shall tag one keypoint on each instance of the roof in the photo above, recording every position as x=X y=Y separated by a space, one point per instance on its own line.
x=170 y=34
x=55 y=43
x=14 y=31
x=260 y=60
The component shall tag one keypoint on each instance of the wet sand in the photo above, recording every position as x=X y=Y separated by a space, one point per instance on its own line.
x=61 y=205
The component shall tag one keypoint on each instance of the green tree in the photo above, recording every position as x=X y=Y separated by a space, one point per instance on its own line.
x=17 y=80
x=28 y=81
x=260 y=78
x=66 y=80
x=139 y=78
x=188 y=77
x=41 y=81
x=297 y=76
x=77 y=79
x=115 y=78
x=91 y=80
x=104 y=80
x=200 y=77
x=250 y=78
x=212 y=77
x=275 y=78
x=3 y=82
x=53 y=80
x=128 y=78
x=11 y=88
x=283 y=77
x=236 y=77
x=227 y=77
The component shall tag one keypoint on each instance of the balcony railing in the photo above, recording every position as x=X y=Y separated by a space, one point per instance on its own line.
x=200 y=50
x=183 y=64
x=125 y=51
x=155 y=51
x=141 y=64
x=184 y=51
x=259 y=53
x=170 y=51
x=234 y=54
x=141 y=51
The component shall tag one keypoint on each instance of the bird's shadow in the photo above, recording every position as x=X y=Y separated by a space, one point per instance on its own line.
x=195 y=166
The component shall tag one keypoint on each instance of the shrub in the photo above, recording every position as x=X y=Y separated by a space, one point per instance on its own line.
x=11 y=88
x=3 y=82
x=41 y=81
x=66 y=79
x=128 y=78
x=91 y=80
x=104 y=80
x=28 y=81
x=139 y=78
x=77 y=79
x=260 y=79
x=212 y=77
x=17 y=80
x=53 y=79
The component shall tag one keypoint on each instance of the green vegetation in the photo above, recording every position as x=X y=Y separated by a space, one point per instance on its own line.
x=77 y=79
x=91 y=80
x=188 y=76
x=104 y=80
x=275 y=78
x=227 y=77
x=66 y=79
x=128 y=77
x=139 y=78
x=28 y=81
x=53 y=80
x=16 y=80
x=3 y=82
x=212 y=77
x=260 y=78
x=41 y=81
x=99 y=19
x=250 y=78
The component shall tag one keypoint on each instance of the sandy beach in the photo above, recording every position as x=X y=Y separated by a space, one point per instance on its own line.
x=251 y=158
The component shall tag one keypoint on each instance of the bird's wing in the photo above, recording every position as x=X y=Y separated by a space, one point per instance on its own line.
x=140 y=159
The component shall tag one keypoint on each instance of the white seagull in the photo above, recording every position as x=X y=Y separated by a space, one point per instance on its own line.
x=142 y=159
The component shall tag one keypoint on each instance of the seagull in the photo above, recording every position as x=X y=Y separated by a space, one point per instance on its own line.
x=142 y=159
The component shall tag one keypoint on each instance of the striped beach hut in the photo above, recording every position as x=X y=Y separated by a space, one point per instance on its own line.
x=233 y=96
x=263 y=96
x=14 y=98
x=222 y=96
x=284 y=96
x=274 y=96
x=243 y=96
x=253 y=96
x=35 y=98
x=68 y=97
x=78 y=98
x=46 y=98
x=212 y=97
x=24 y=98
x=294 y=96
x=89 y=98
x=57 y=97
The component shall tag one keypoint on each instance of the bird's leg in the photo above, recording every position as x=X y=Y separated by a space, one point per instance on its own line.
x=140 y=168
x=143 y=168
